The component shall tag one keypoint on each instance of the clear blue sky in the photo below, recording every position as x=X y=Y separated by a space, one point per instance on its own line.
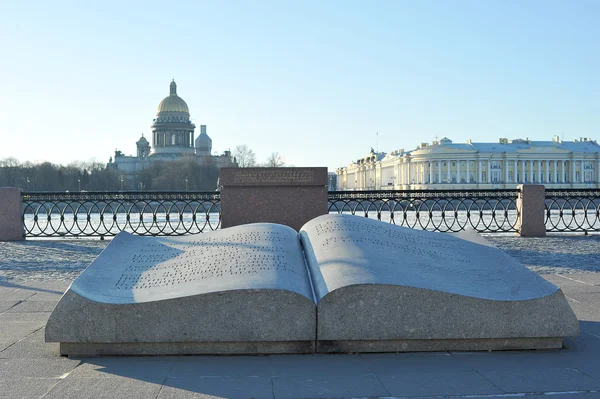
x=312 y=80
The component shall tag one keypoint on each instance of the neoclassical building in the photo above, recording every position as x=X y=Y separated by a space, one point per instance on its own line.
x=446 y=165
x=172 y=138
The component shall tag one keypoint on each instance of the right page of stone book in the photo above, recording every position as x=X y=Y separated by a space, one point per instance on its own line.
x=345 y=250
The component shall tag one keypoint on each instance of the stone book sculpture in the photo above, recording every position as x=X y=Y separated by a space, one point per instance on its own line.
x=342 y=284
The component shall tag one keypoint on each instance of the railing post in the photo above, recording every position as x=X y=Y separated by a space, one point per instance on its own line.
x=11 y=214
x=531 y=210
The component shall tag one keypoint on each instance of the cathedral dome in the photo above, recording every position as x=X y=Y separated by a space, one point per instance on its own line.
x=142 y=141
x=173 y=103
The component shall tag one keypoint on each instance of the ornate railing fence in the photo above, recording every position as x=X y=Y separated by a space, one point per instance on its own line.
x=489 y=211
x=99 y=214
x=572 y=210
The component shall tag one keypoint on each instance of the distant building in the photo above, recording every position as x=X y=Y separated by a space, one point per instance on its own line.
x=172 y=139
x=445 y=165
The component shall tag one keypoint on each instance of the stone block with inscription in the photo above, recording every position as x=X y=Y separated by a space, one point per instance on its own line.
x=289 y=196
x=343 y=284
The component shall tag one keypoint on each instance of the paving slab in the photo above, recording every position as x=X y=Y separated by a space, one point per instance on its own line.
x=149 y=369
x=7 y=305
x=541 y=380
x=401 y=363
x=16 y=295
x=315 y=365
x=25 y=317
x=46 y=297
x=553 y=395
x=32 y=306
x=31 y=347
x=13 y=332
x=26 y=388
x=217 y=387
x=328 y=386
x=584 y=277
x=438 y=383
x=100 y=388
x=221 y=366
x=36 y=368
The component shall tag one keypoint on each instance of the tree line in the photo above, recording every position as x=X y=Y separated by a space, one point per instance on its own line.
x=185 y=174
x=46 y=176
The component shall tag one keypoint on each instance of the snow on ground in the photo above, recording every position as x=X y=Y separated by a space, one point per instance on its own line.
x=60 y=259
x=64 y=259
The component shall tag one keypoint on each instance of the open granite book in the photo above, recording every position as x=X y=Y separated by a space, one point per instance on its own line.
x=341 y=284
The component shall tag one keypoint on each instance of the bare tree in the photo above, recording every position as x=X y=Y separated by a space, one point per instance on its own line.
x=274 y=161
x=244 y=156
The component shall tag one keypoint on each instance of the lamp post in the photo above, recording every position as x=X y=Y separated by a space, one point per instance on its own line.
x=79 y=183
x=122 y=182
x=186 y=183
x=27 y=179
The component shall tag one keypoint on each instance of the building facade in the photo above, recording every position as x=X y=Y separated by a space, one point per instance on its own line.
x=172 y=139
x=446 y=165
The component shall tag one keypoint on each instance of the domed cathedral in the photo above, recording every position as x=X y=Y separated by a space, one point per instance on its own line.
x=172 y=139
x=172 y=130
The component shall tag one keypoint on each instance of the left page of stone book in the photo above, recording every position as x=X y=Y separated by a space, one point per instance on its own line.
x=245 y=283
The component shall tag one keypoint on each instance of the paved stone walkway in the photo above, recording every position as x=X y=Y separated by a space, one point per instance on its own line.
x=34 y=274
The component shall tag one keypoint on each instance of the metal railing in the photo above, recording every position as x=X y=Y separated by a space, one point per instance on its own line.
x=489 y=211
x=99 y=214
x=572 y=210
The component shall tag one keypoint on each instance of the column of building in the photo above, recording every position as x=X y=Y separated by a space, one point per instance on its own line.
x=468 y=173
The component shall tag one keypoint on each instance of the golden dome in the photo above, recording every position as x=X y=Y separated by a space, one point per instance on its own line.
x=173 y=103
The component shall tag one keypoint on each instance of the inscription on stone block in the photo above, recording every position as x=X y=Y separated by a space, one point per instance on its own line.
x=274 y=176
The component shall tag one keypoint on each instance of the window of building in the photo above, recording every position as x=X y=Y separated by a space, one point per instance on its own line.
x=495 y=176
x=453 y=163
